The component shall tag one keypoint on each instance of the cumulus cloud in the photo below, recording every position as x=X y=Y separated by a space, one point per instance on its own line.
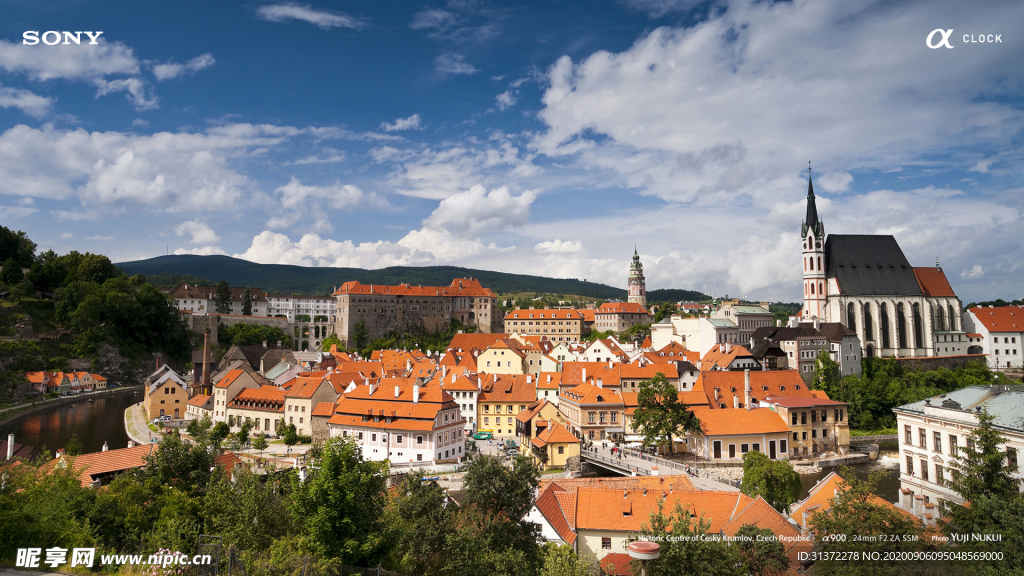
x=202 y=251
x=299 y=203
x=559 y=246
x=322 y=18
x=16 y=212
x=28 y=102
x=836 y=181
x=164 y=170
x=200 y=233
x=981 y=166
x=976 y=272
x=330 y=156
x=72 y=61
x=170 y=70
x=135 y=90
x=506 y=99
x=658 y=8
x=433 y=18
x=451 y=63
x=411 y=123
x=476 y=209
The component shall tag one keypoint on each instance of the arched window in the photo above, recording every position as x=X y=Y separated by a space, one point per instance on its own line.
x=940 y=319
x=819 y=262
x=901 y=325
x=851 y=317
x=884 y=326
x=812 y=287
x=918 y=340
x=821 y=289
x=812 y=263
x=952 y=318
x=805 y=264
x=869 y=329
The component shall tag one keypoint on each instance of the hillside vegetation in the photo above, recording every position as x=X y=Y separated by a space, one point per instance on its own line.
x=289 y=279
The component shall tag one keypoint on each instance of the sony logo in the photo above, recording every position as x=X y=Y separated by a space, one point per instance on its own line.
x=32 y=37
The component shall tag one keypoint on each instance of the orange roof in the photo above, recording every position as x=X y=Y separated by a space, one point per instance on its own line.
x=462 y=384
x=572 y=373
x=460 y=287
x=617 y=563
x=590 y=394
x=779 y=383
x=587 y=314
x=555 y=433
x=647 y=343
x=543 y=313
x=550 y=507
x=508 y=388
x=549 y=380
x=228 y=378
x=1002 y=319
x=632 y=371
x=323 y=409
x=732 y=421
x=659 y=483
x=368 y=369
x=821 y=496
x=265 y=398
x=360 y=408
x=531 y=411
x=304 y=386
x=96 y=463
x=933 y=282
x=199 y=400
x=621 y=308
x=720 y=358
x=474 y=341
x=628 y=511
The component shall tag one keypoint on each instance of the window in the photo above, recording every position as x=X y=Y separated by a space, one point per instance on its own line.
x=924 y=470
x=824 y=415
x=419 y=457
x=757 y=447
x=782 y=446
x=373 y=437
x=360 y=435
x=561 y=449
x=592 y=415
x=803 y=418
x=606 y=543
x=804 y=437
x=921 y=436
x=906 y=435
x=795 y=418
x=399 y=439
x=795 y=438
x=910 y=466
x=940 y=478
x=953 y=446
x=938 y=442
x=1011 y=457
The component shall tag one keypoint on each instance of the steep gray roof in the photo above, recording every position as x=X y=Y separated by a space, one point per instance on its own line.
x=1004 y=403
x=869 y=265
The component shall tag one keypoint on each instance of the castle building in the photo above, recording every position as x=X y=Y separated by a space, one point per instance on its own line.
x=637 y=287
x=866 y=283
x=404 y=307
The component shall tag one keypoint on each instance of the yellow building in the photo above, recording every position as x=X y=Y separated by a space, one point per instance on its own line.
x=559 y=325
x=503 y=357
x=503 y=397
x=554 y=446
x=729 y=433
x=816 y=424
x=165 y=394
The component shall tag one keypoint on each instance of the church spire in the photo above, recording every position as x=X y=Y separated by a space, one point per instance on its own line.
x=811 y=220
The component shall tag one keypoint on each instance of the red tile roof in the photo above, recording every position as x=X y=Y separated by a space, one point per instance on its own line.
x=617 y=563
x=199 y=400
x=555 y=433
x=96 y=463
x=548 y=505
x=822 y=495
x=732 y=421
x=474 y=341
x=779 y=382
x=543 y=313
x=460 y=287
x=323 y=409
x=265 y=398
x=511 y=388
x=590 y=394
x=621 y=308
x=228 y=378
x=802 y=402
x=462 y=384
x=1002 y=319
x=933 y=282
x=305 y=386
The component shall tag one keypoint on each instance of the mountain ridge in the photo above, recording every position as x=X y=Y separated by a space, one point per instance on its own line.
x=293 y=279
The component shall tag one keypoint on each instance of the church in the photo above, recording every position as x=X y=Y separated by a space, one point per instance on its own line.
x=866 y=283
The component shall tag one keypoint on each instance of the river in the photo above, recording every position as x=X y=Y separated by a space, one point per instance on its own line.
x=888 y=488
x=93 y=422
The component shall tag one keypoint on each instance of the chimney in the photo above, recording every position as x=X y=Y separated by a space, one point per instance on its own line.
x=408 y=364
x=130 y=445
x=264 y=343
x=817 y=323
x=10 y=446
x=105 y=448
x=415 y=393
x=728 y=347
x=778 y=323
x=610 y=363
x=397 y=391
x=157 y=362
x=529 y=378
x=444 y=372
x=747 y=390
x=735 y=401
x=206 y=358
x=584 y=375
x=600 y=383
x=372 y=389
x=454 y=376
x=549 y=378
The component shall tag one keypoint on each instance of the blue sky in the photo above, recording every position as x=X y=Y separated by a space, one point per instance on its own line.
x=542 y=138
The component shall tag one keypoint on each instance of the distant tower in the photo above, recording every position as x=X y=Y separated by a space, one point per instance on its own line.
x=637 y=287
x=812 y=234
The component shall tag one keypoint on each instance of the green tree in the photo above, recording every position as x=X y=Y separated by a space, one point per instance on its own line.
x=290 y=435
x=665 y=310
x=199 y=428
x=96 y=268
x=855 y=513
x=660 y=415
x=74 y=446
x=561 y=560
x=219 y=433
x=360 y=335
x=683 y=550
x=826 y=373
x=244 y=333
x=243 y=433
x=419 y=526
x=259 y=442
x=331 y=340
x=774 y=480
x=180 y=464
x=223 y=298
x=246 y=510
x=11 y=274
x=340 y=505
x=247 y=302
x=16 y=245
x=761 y=553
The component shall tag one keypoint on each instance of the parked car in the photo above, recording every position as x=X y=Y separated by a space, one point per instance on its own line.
x=164 y=418
x=483 y=435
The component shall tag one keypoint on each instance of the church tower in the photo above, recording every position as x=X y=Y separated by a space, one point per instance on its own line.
x=637 y=287
x=812 y=234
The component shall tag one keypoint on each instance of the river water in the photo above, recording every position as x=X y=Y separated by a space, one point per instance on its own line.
x=888 y=488
x=93 y=422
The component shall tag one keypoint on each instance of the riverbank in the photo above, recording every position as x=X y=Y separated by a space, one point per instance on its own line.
x=135 y=424
x=10 y=414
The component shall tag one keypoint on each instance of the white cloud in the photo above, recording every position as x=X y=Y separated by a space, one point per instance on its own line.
x=200 y=232
x=307 y=205
x=325 y=20
x=505 y=100
x=69 y=216
x=976 y=272
x=66 y=235
x=836 y=181
x=450 y=63
x=981 y=166
x=658 y=8
x=16 y=212
x=170 y=70
x=28 y=102
x=72 y=61
x=433 y=18
x=202 y=251
x=411 y=123
x=140 y=122
x=476 y=210
x=737 y=104
x=135 y=89
x=559 y=246
x=330 y=156
x=163 y=170
x=98 y=237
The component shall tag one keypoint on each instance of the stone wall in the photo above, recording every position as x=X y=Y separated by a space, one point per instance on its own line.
x=927 y=363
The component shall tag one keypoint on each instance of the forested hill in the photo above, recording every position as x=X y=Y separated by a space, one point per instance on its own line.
x=288 y=279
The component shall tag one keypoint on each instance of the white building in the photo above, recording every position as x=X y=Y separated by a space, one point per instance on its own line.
x=1001 y=331
x=291 y=306
x=401 y=420
x=203 y=299
x=699 y=334
x=932 y=432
